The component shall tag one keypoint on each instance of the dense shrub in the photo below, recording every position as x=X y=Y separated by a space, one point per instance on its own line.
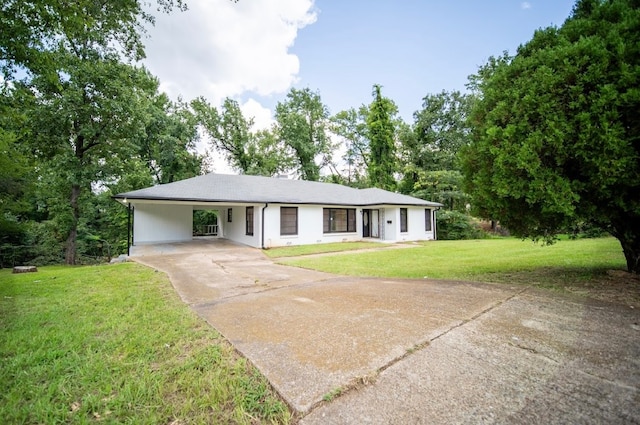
x=454 y=225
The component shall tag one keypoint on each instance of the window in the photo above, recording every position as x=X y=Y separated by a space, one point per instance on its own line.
x=229 y=215
x=336 y=220
x=403 y=220
x=249 y=216
x=427 y=220
x=288 y=220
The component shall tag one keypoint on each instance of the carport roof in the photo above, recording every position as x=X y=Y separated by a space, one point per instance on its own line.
x=229 y=188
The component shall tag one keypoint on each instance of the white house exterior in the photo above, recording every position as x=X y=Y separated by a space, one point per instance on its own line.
x=268 y=212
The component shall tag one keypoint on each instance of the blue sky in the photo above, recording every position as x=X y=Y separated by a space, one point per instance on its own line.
x=256 y=50
x=411 y=48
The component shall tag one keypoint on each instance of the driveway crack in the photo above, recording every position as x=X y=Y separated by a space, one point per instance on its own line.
x=360 y=382
x=480 y=314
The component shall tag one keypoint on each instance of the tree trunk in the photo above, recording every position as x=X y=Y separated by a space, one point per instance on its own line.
x=631 y=249
x=627 y=230
x=71 y=245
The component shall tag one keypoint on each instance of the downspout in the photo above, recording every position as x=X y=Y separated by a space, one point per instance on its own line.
x=128 y=229
x=262 y=225
x=435 y=225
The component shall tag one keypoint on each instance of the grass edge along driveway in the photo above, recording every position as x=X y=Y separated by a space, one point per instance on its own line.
x=115 y=344
x=583 y=266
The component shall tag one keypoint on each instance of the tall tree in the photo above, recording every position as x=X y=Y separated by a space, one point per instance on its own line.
x=429 y=149
x=84 y=107
x=268 y=158
x=440 y=129
x=556 y=130
x=168 y=146
x=84 y=132
x=381 y=130
x=256 y=153
x=303 y=125
x=351 y=127
x=35 y=33
x=16 y=170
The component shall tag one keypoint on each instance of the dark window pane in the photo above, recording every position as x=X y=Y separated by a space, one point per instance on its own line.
x=326 y=220
x=288 y=220
x=403 y=220
x=351 y=220
x=250 y=221
x=338 y=220
x=427 y=220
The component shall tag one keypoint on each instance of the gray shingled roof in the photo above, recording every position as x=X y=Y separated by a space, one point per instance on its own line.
x=255 y=189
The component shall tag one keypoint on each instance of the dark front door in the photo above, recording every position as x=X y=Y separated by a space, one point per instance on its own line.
x=370 y=223
x=366 y=229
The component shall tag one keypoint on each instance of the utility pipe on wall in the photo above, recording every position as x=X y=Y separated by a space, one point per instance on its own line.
x=262 y=226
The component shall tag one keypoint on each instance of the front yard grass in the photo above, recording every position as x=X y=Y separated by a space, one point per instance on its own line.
x=292 y=251
x=579 y=266
x=114 y=344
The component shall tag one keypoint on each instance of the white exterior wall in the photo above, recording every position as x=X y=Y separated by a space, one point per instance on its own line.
x=416 y=229
x=159 y=223
x=391 y=223
x=237 y=229
x=156 y=223
x=310 y=227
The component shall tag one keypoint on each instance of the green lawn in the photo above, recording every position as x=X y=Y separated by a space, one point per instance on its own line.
x=290 y=251
x=114 y=344
x=492 y=260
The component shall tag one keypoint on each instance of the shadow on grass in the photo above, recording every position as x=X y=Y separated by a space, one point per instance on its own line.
x=596 y=282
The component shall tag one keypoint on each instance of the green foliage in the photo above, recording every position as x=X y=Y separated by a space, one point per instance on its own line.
x=168 y=145
x=556 y=129
x=36 y=32
x=84 y=133
x=268 y=158
x=115 y=344
x=456 y=225
x=302 y=125
x=381 y=130
x=253 y=153
x=439 y=131
x=86 y=108
x=441 y=186
x=15 y=170
x=351 y=127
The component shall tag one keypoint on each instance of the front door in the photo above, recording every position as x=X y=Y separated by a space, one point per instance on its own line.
x=370 y=223
x=366 y=232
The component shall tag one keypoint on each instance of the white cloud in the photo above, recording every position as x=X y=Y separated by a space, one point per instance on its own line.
x=220 y=49
x=525 y=5
x=262 y=117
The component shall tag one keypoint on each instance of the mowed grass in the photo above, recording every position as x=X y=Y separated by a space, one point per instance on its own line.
x=114 y=344
x=290 y=251
x=490 y=260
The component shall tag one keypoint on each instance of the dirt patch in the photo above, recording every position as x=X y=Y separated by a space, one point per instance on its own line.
x=616 y=286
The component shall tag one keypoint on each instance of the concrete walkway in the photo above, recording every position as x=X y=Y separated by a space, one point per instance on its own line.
x=344 y=350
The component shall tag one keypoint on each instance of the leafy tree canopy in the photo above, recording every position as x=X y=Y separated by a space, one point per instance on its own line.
x=439 y=131
x=382 y=124
x=36 y=32
x=303 y=125
x=556 y=129
x=351 y=127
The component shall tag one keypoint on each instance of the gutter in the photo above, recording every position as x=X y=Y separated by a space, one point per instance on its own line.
x=262 y=225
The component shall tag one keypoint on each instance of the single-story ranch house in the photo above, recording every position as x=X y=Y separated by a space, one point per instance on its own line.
x=266 y=212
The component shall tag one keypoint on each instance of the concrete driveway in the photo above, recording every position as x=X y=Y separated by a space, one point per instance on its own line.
x=347 y=350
